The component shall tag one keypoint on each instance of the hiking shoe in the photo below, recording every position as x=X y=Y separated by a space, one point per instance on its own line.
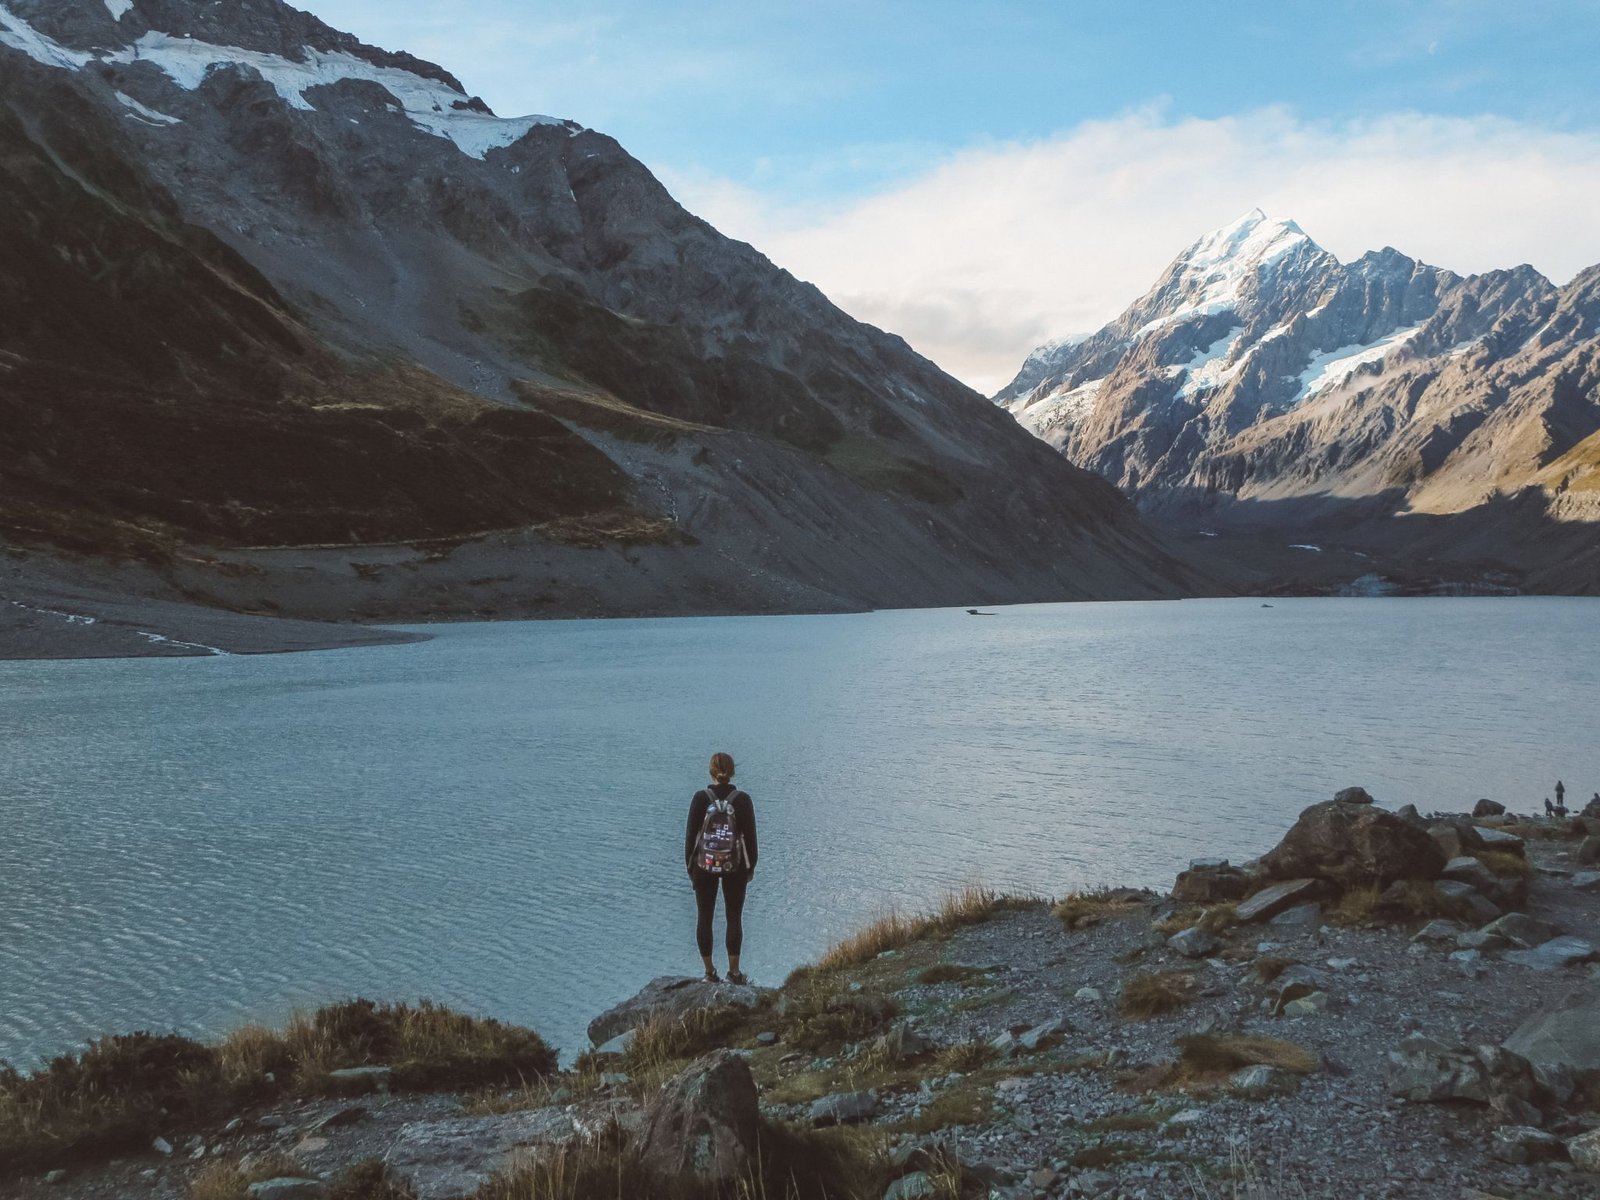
x=712 y=976
x=738 y=977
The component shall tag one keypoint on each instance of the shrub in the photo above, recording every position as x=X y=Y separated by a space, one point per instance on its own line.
x=965 y=1056
x=1502 y=862
x=370 y=1180
x=1153 y=994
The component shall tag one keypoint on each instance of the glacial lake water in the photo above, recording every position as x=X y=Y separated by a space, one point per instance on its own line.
x=494 y=819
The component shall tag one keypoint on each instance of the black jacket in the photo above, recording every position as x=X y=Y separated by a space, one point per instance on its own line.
x=744 y=820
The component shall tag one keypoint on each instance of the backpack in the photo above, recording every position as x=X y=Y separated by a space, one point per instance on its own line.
x=719 y=850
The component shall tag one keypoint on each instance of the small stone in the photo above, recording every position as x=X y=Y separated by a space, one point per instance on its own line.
x=615 y=1047
x=1553 y=955
x=613 y=1079
x=161 y=1146
x=310 y=1145
x=1437 y=931
x=1185 y=1118
x=1520 y=1144
x=1343 y=964
x=1260 y=1081
x=55 y=1177
x=1194 y=943
x=272 y=1121
x=234 y=1125
x=1487 y=943
x=1301 y=916
x=1307 y=1006
x=355 y=1080
x=1042 y=1035
x=1353 y=795
x=915 y=1186
x=1465 y=901
x=766 y=1038
x=844 y=1108
x=1470 y=871
x=1587 y=881
x=1522 y=930
x=349 y=1115
x=1089 y=994
x=1042 y=1178
x=1584 y=1150
x=287 y=1187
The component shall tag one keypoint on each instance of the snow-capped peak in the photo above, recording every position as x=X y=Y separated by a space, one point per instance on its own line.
x=1254 y=239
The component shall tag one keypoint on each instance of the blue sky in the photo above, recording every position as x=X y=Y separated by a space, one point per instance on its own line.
x=798 y=125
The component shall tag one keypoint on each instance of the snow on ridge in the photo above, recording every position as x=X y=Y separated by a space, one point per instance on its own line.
x=1209 y=276
x=1209 y=368
x=1053 y=416
x=428 y=102
x=149 y=114
x=19 y=35
x=1334 y=367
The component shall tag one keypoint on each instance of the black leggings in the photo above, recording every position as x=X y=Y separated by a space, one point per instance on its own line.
x=705 y=898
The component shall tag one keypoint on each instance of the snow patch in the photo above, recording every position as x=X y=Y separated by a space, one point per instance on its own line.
x=118 y=8
x=150 y=115
x=1054 y=416
x=19 y=35
x=1306 y=546
x=1208 y=370
x=429 y=103
x=1326 y=370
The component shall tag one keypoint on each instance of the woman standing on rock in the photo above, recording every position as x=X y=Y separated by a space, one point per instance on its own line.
x=720 y=847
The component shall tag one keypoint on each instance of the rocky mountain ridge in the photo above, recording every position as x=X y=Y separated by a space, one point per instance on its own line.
x=1262 y=383
x=641 y=414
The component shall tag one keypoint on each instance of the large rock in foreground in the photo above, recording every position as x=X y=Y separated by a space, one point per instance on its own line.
x=1353 y=845
x=1566 y=1034
x=706 y=1122
x=672 y=996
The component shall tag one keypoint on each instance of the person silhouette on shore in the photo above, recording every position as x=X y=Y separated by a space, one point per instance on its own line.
x=1549 y=809
x=1561 y=794
x=719 y=847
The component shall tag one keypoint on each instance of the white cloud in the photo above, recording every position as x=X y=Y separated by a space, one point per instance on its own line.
x=1000 y=246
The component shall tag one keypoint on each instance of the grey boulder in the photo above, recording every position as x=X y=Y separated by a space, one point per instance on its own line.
x=1270 y=901
x=1194 y=943
x=705 y=1122
x=1353 y=845
x=672 y=996
x=1566 y=1034
x=844 y=1108
x=1554 y=955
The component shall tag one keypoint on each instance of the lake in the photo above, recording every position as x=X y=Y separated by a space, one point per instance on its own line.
x=494 y=819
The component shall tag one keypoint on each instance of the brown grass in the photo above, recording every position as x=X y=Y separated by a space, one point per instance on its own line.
x=965 y=1056
x=1079 y=910
x=123 y=1090
x=1208 y=1055
x=1502 y=862
x=1268 y=969
x=792 y=1164
x=969 y=906
x=1212 y=919
x=1150 y=994
x=951 y=973
x=231 y=1181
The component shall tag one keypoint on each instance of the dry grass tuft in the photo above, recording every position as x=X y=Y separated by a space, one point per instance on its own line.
x=965 y=1056
x=1079 y=910
x=370 y=1180
x=1153 y=994
x=1213 y=919
x=971 y=905
x=1268 y=969
x=951 y=973
x=1502 y=862
x=219 y=1181
x=1208 y=1055
x=792 y=1164
x=1357 y=907
x=662 y=1043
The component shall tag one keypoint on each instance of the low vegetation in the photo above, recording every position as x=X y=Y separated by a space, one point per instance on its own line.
x=894 y=930
x=793 y=1164
x=1212 y=919
x=123 y=1090
x=1154 y=994
x=1079 y=910
x=1502 y=862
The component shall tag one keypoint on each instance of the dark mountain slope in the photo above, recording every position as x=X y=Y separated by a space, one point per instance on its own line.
x=393 y=229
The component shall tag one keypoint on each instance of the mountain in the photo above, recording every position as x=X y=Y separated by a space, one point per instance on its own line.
x=308 y=328
x=1446 y=423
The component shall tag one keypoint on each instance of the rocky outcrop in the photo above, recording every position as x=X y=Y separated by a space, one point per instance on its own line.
x=1353 y=845
x=705 y=1124
x=1563 y=1036
x=674 y=996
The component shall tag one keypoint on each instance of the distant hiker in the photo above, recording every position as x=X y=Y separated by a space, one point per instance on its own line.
x=720 y=847
x=1561 y=794
x=1549 y=809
